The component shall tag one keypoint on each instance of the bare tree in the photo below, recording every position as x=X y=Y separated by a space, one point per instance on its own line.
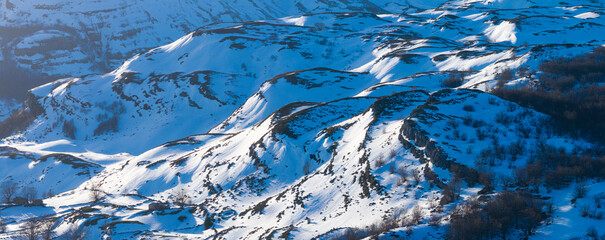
x=181 y=198
x=30 y=193
x=416 y=214
x=95 y=191
x=8 y=191
x=31 y=230
x=48 y=194
x=46 y=227
x=2 y=226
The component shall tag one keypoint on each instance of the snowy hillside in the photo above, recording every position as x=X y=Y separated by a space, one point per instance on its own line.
x=58 y=38
x=180 y=81
x=301 y=120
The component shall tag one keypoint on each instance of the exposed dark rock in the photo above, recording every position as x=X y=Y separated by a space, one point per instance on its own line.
x=158 y=207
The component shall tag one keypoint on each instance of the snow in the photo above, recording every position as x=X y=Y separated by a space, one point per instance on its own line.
x=503 y=32
x=568 y=221
x=587 y=15
x=298 y=21
x=271 y=118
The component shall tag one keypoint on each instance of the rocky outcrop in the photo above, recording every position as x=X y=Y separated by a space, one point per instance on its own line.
x=156 y=206
x=419 y=139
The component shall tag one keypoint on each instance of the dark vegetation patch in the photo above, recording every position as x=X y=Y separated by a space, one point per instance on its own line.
x=17 y=122
x=69 y=129
x=505 y=214
x=555 y=168
x=108 y=122
x=151 y=85
x=456 y=79
x=20 y=120
x=109 y=125
x=569 y=90
x=372 y=231
x=396 y=103
x=369 y=182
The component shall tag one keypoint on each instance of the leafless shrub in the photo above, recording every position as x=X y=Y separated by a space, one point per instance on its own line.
x=580 y=190
x=451 y=191
x=453 y=123
x=374 y=230
x=31 y=230
x=181 y=198
x=109 y=125
x=46 y=229
x=416 y=214
x=498 y=217
x=403 y=176
x=506 y=181
x=468 y=108
x=504 y=77
x=454 y=81
x=592 y=233
x=95 y=191
x=380 y=161
x=416 y=176
x=435 y=220
x=50 y=193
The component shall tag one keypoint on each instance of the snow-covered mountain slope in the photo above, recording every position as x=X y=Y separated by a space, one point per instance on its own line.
x=314 y=85
x=305 y=126
x=54 y=166
x=196 y=82
x=55 y=172
x=349 y=163
x=60 y=38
